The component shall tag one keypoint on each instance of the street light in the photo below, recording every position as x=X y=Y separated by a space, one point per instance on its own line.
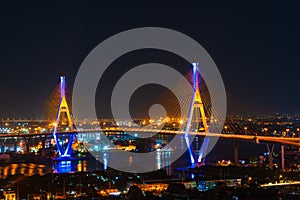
x=249 y=180
x=265 y=130
x=226 y=127
x=245 y=130
x=287 y=131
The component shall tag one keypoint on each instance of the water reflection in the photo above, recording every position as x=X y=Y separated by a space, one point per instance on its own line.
x=27 y=169
x=117 y=158
x=104 y=157
x=69 y=166
x=107 y=147
x=105 y=162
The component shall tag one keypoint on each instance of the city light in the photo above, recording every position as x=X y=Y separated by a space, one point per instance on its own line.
x=97 y=135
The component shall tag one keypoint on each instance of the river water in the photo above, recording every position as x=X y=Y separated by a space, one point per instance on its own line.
x=103 y=157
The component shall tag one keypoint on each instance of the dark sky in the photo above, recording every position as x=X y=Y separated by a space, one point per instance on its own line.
x=255 y=46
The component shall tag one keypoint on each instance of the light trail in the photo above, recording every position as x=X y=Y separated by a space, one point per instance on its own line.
x=253 y=138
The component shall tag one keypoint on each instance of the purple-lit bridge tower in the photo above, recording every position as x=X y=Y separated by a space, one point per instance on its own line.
x=196 y=106
x=64 y=116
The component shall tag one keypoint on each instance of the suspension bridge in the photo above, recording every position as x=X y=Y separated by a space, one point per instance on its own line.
x=196 y=120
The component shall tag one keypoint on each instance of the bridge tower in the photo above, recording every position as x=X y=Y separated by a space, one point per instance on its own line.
x=64 y=115
x=196 y=104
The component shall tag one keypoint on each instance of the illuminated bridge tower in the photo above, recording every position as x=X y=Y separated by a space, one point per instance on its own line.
x=63 y=115
x=196 y=105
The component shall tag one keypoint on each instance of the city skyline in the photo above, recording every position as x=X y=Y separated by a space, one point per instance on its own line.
x=145 y=100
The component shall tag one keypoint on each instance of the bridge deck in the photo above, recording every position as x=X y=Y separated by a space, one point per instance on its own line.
x=283 y=140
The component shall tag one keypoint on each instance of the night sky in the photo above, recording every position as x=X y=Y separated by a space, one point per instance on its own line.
x=255 y=46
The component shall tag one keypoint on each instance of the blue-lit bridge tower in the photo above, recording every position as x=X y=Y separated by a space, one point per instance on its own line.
x=64 y=115
x=196 y=103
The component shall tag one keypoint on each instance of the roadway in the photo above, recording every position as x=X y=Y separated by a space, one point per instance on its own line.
x=254 y=138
